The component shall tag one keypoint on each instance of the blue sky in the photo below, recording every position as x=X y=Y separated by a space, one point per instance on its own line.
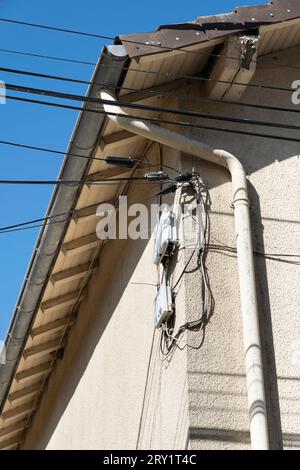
x=41 y=126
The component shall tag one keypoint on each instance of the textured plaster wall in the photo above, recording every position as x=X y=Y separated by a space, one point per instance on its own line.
x=217 y=393
x=112 y=389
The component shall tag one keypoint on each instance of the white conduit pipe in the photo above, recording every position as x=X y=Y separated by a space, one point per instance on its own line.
x=249 y=309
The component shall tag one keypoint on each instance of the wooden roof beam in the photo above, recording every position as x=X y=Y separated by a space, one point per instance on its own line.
x=112 y=171
x=123 y=137
x=12 y=429
x=18 y=411
x=237 y=63
x=62 y=301
x=72 y=274
x=11 y=443
x=78 y=245
x=88 y=211
x=43 y=349
x=148 y=93
x=33 y=372
x=50 y=327
x=26 y=392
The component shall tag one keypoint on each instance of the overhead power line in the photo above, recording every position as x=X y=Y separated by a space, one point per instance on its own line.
x=47 y=150
x=54 y=28
x=154 y=120
x=28 y=224
x=83 y=182
x=48 y=57
x=218 y=248
x=110 y=38
x=33 y=223
x=30 y=227
x=262 y=86
x=266 y=66
x=110 y=160
x=153 y=92
x=159 y=109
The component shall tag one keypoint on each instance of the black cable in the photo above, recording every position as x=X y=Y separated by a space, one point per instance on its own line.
x=53 y=28
x=47 y=150
x=59 y=152
x=155 y=92
x=279 y=257
x=184 y=270
x=148 y=72
x=129 y=41
x=110 y=38
x=48 y=57
x=168 y=339
x=233 y=249
x=179 y=112
x=34 y=221
x=21 y=229
x=29 y=223
x=153 y=120
x=76 y=182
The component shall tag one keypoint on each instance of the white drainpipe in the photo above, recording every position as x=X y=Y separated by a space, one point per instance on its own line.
x=249 y=309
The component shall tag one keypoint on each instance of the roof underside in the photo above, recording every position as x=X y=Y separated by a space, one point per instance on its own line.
x=51 y=305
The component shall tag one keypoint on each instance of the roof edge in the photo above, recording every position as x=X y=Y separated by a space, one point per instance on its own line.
x=64 y=198
x=206 y=28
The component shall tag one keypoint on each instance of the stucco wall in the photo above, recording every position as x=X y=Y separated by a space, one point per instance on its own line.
x=113 y=390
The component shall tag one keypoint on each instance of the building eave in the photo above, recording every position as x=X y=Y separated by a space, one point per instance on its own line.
x=83 y=142
x=208 y=28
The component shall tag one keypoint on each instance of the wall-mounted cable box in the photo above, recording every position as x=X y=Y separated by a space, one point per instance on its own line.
x=165 y=237
x=162 y=304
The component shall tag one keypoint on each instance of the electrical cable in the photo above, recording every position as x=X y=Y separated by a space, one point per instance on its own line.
x=20 y=225
x=34 y=221
x=154 y=120
x=123 y=40
x=59 y=152
x=153 y=92
x=110 y=38
x=130 y=69
x=184 y=269
x=48 y=57
x=168 y=340
x=73 y=310
x=180 y=112
x=278 y=257
x=21 y=229
x=47 y=150
x=89 y=182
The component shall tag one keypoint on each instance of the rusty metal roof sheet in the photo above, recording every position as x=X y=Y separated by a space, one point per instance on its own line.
x=206 y=28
